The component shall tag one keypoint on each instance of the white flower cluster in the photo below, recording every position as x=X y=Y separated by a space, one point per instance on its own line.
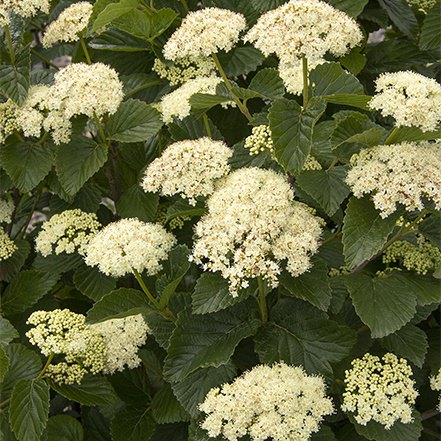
x=23 y=8
x=278 y=402
x=69 y=232
x=260 y=140
x=8 y=123
x=78 y=89
x=6 y=210
x=129 y=244
x=103 y=347
x=252 y=226
x=177 y=103
x=435 y=384
x=304 y=28
x=7 y=246
x=184 y=70
x=291 y=73
x=122 y=338
x=411 y=98
x=63 y=333
x=379 y=390
x=402 y=173
x=205 y=32
x=68 y=25
x=188 y=168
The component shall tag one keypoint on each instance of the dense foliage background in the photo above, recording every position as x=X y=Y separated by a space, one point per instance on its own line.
x=346 y=305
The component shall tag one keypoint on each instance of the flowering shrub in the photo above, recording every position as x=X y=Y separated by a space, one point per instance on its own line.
x=220 y=220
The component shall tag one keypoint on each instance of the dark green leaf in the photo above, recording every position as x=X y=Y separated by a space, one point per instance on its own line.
x=384 y=303
x=78 y=161
x=267 y=5
x=57 y=263
x=135 y=202
x=26 y=163
x=292 y=129
x=354 y=62
x=207 y=340
x=241 y=60
x=161 y=20
x=430 y=37
x=64 y=428
x=331 y=79
x=4 y=363
x=135 y=22
x=327 y=187
x=93 y=283
x=325 y=433
x=26 y=288
x=351 y=7
x=10 y=267
x=364 y=231
x=409 y=342
x=115 y=40
x=117 y=304
x=137 y=82
x=312 y=286
x=29 y=408
x=112 y=11
x=134 y=121
x=166 y=408
x=132 y=424
x=359 y=101
x=401 y=15
x=15 y=78
x=431 y=229
x=301 y=335
x=268 y=83
x=7 y=332
x=93 y=391
x=192 y=390
x=415 y=134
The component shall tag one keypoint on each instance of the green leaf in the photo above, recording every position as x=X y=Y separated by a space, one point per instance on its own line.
x=360 y=101
x=29 y=408
x=326 y=187
x=426 y=288
x=57 y=263
x=166 y=408
x=112 y=12
x=117 y=41
x=192 y=390
x=398 y=432
x=241 y=61
x=78 y=161
x=430 y=37
x=401 y=15
x=354 y=61
x=4 y=363
x=64 y=428
x=132 y=424
x=24 y=364
x=415 y=134
x=430 y=228
x=175 y=269
x=409 y=342
x=135 y=202
x=207 y=340
x=268 y=83
x=211 y=294
x=181 y=208
x=7 y=332
x=161 y=20
x=267 y=5
x=292 y=129
x=384 y=303
x=94 y=390
x=301 y=335
x=331 y=79
x=203 y=102
x=26 y=288
x=312 y=286
x=137 y=82
x=135 y=22
x=93 y=283
x=134 y=121
x=352 y=7
x=10 y=267
x=15 y=78
x=117 y=304
x=364 y=231
x=26 y=163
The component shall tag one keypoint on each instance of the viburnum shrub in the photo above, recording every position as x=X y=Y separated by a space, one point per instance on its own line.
x=220 y=219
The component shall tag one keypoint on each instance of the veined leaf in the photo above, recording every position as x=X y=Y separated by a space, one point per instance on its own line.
x=132 y=424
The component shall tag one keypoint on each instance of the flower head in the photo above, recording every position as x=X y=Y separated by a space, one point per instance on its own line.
x=380 y=390
x=411 y=98
x=7 y=245
x=205 y=32
x=67 y=232
x=435 y=384
x=129 y=244
x=260 y=140
x=189 y=168
x=69 y=24
x=278 y=402
x=252 y=227
x=8 y=123
x=304 y=28
x=6 y=210
x=23 y=8
x=402 y=173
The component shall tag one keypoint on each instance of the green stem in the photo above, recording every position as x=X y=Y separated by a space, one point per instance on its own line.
x=48 y=362
x=262 y=301
x=166 y=313
x=429 y=414
x=392 y=136
x=4 y=403
x=305 y=81
x=10 y=45
x=86 y=52
x=21 y=234
x=242 y=107
x=44 y=59
x=43 y=138
x=207 y=125
x=100 y=130
x=185 y=6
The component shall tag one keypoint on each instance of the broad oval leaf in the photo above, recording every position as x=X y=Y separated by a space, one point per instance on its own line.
x=132 y=424
x=64 y=428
